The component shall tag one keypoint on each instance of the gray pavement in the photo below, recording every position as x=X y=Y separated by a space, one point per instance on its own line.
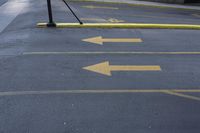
x=44 y=88
x=2 y=2
x=9 y=15
x=150 y=3
x=137 y=14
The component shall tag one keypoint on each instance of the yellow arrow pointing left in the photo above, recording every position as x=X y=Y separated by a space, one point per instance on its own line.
x=105 y=68
x=100 y=40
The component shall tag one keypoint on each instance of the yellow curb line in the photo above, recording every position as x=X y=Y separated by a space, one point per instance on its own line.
x=122 y=25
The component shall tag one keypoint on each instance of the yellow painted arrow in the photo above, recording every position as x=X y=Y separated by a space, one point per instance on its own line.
x=100 y=40
x=106 y=69
x=103 y=7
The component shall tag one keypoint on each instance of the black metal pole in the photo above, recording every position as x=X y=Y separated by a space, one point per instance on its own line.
x=73 y=12
x=51 y=22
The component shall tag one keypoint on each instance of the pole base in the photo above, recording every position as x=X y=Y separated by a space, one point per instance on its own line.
x=51 y=24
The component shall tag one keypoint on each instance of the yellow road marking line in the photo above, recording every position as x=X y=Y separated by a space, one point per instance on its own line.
x=112 y=53
x=48 y=92
x=183 y=95
x=100 y=40
x=150 y=15
x=123 y=25
x=100 y=7
x=101 y=91
x=111 y=20
x=105 y=68
x=114 y=20
x=196 y=15
x=94 y=19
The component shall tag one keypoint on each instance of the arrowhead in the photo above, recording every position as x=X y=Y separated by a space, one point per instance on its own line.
x=96 y=40
x=102 y=68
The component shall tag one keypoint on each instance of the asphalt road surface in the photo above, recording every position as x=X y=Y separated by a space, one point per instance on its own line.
x=59 y=81
x=2 y=2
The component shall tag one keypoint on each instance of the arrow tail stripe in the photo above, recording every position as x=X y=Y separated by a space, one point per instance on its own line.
x=134 y=68
x=121 y=40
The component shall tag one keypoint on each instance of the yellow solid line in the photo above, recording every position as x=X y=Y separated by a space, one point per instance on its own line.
x=150 y=15
x=13 y=93
x=111 y=20
x=123 y=25
x=94 y=19
x=100 y=7
x=183 y=95
x=196 y=15
x=48 y=92
x=117 y=52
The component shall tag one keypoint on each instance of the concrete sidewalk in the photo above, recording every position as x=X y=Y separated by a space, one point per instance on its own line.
x=147 y=3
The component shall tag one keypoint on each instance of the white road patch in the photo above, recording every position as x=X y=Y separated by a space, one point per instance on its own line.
x=9 y=11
